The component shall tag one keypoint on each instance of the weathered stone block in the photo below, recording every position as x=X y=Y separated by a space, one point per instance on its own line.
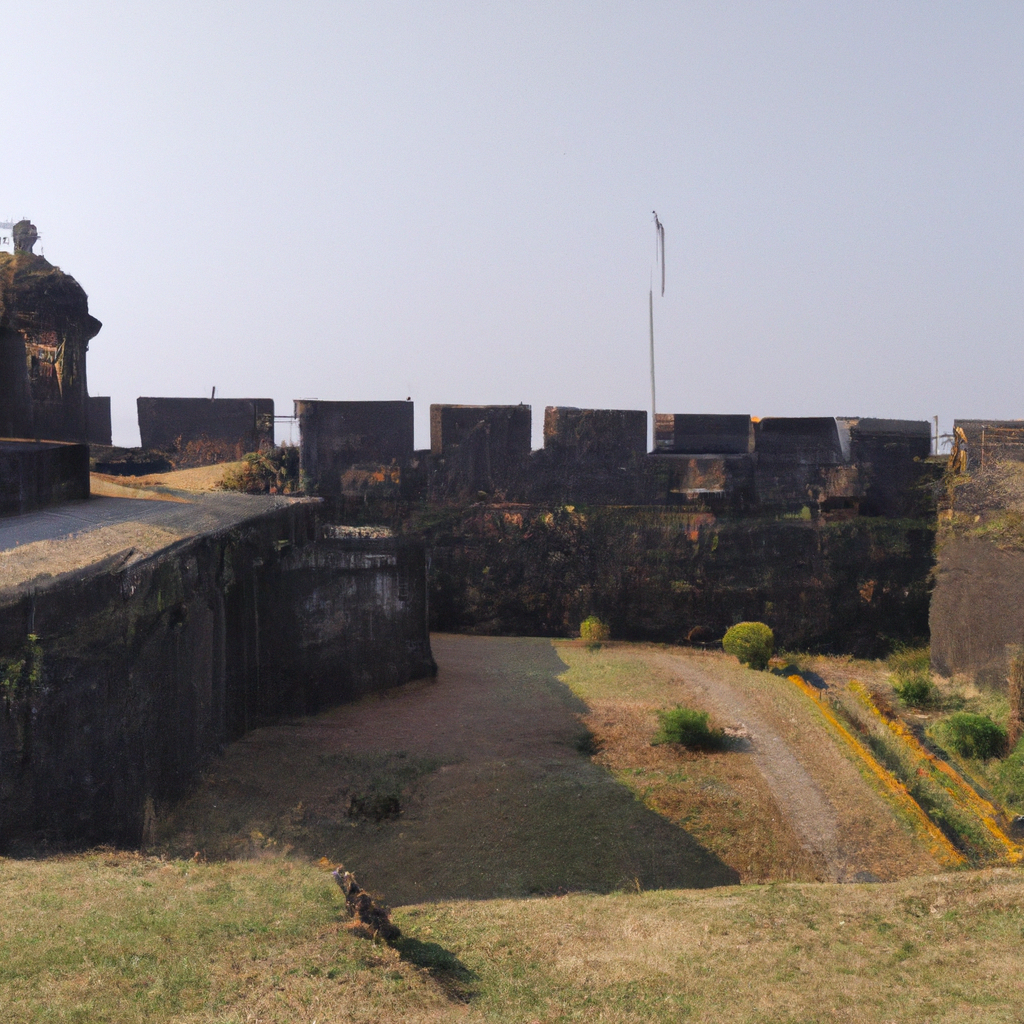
x=232 y=426
x=37 y=474
x=693 y=434
x=595 y=433
x=336 y=436
x=478 y=448
x=805 y=439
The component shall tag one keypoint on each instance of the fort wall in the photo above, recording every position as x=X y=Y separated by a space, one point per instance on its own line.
x=230 y=427
x=133 y=673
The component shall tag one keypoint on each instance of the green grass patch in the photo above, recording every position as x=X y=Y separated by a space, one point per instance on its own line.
x=689 y=728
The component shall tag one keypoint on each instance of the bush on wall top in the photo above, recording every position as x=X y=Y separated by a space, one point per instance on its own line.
x=752 y=642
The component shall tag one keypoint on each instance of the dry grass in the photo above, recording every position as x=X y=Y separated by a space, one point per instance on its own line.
x=722 y=798
x=199 y=478
x=120 y=938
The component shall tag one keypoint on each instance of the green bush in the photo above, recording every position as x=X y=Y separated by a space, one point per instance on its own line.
x=752 y=642
x=688 y=728
x=593 y=629
x=273 y=471
x=914 y=691
x=974 y=735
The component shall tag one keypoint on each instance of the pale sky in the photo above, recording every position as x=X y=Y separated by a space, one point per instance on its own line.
x=452 y=201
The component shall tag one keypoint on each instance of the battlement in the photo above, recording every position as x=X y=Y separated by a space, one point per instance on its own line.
x=599 y=456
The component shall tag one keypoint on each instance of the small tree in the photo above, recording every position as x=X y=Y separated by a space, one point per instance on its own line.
x=752 y=642
x=594 y=630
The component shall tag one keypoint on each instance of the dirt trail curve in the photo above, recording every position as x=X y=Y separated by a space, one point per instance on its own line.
x=808 y=810
x=835 y=814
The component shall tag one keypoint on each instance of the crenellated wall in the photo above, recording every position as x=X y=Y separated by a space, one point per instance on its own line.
x=729 y=464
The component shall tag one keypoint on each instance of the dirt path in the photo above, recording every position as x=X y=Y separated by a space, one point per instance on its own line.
x=496 y=798
x=807 y=809
x=833 y=812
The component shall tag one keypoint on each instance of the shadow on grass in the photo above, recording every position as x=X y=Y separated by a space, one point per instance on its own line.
x=450 y=973
x=809 y=677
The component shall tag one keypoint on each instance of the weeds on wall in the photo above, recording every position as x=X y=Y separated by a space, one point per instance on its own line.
x=20 y=674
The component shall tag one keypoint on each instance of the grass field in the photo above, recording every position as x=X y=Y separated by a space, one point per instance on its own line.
x=121 y=938
x=503 y=793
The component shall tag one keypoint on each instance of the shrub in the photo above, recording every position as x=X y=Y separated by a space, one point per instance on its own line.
x=688 y=728
x=752 y=642
x=974 y=735
x=593 y=629
x=263 y=472
x=914 y=691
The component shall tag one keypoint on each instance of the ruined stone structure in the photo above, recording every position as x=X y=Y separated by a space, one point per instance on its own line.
x=45 y=330
x=220 y=429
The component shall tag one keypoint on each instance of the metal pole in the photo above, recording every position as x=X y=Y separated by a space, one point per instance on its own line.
x=654 y=428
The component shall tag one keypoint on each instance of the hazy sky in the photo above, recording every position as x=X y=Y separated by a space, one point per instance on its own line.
x=452 y=201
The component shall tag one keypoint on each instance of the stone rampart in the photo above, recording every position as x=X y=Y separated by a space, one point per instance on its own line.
x=121 y=681
x=230 y=427
x=38 y=474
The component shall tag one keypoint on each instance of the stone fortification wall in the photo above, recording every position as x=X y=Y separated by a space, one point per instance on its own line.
x=36 y=474
x=599 y=456
x=120 y=682
x=976 y=609
x=227 y=427
x=851 y=585
x=348 y=447
x=979 y=576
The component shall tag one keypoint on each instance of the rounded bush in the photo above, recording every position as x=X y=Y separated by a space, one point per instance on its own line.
x=974 y=735
x=688 y=728
x=593 y=629
x=752 y=642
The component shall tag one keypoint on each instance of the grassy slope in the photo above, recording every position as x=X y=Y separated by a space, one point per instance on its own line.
x=115 y=937
x=118 y=937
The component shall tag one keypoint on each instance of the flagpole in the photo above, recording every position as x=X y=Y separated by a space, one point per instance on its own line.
x=654 y=429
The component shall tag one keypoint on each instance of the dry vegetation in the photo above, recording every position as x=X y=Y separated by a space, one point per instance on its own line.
x=501 y=794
